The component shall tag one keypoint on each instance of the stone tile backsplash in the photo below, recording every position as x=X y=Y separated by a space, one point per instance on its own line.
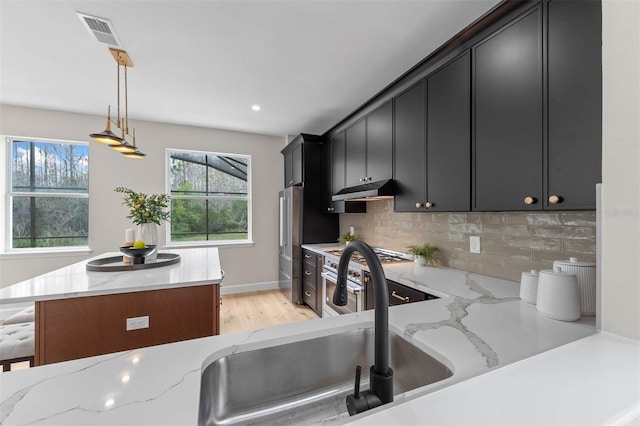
x=511 y=242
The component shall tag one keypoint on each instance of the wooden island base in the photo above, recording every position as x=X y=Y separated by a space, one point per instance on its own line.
x=80 y=327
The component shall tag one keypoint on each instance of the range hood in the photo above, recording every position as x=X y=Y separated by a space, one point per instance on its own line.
x=380 y=190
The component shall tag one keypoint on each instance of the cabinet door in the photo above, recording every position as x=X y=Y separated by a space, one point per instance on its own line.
x=508 y=117
x=288 y=169
x=293 y=166
x=575 y=104
x=380 y=144
x=410 y=149
x=449 y=137
x=356 y=153
x=296 y=165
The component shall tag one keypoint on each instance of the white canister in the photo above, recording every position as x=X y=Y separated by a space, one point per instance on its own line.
x=529 y=287
x=558 y=295
x=586 y=274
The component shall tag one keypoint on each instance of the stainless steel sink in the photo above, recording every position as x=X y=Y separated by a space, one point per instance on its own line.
x=304 y=382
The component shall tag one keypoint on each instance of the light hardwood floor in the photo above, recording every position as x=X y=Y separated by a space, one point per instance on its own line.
x=249 y=311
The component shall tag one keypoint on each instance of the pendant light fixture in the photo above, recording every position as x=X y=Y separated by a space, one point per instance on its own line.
x=107 y=137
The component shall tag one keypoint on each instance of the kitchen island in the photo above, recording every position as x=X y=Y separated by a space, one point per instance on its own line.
x=480 y=330
x=81 y=312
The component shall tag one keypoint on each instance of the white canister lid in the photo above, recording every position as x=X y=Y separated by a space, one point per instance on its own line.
x=555 y=272
x=573 y=261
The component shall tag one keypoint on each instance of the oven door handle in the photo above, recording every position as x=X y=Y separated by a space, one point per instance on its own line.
x=332 y=278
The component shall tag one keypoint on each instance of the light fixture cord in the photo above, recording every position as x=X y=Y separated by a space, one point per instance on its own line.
x=126 y=102
x=118 y=121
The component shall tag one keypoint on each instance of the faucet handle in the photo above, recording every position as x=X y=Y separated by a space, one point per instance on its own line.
x=356 y=387
x=357 y=402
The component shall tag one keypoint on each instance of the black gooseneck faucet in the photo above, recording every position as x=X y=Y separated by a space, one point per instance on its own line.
x=380 y=374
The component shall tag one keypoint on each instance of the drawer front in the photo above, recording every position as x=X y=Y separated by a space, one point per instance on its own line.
x=309 y=257
x=399 y=294
x=309 y=295
x=309 y=272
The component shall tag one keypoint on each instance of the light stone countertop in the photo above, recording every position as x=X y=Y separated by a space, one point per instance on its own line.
x=197 y=266
x=481 y=326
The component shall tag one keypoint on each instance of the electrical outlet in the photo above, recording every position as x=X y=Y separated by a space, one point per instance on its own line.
x=137 y=323
x=474 y=244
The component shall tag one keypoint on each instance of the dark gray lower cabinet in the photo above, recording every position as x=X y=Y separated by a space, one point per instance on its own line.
x=449 y=137
x=410 y=149
x=574 y=148
x=312 y=280
x=508 y=112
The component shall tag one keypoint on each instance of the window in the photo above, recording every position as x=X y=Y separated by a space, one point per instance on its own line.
x=210 y=197
x=48 y=194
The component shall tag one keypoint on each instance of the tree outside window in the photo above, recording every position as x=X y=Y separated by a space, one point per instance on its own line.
x=48 y=194
x=210 y=197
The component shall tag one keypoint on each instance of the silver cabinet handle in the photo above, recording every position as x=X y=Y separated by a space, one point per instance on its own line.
x=307 y=256
x=307 y=273
x=554 y=199
x=428 y=204
x=418 y=205
x=306 y=293
x=397 y=296
x=529 y=200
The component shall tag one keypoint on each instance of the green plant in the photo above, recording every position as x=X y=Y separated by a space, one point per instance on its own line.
x=347 y=237
x=145 y=208
x=426 y=250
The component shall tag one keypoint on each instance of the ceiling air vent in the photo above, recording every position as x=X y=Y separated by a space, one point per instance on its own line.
x=101 y=28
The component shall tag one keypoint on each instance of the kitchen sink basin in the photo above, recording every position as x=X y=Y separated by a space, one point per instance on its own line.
x=306 y=381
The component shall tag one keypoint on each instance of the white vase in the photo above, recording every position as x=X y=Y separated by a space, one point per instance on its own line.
x=148 y=232
x=419 y=260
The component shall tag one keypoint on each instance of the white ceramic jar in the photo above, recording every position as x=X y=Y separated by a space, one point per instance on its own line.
x=529 y=287
x=558 y=295
x=586 y=275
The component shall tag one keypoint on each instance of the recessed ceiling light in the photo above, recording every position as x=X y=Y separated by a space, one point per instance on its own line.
x=256 y=107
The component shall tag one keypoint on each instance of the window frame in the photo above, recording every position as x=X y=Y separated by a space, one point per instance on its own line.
x=249 y=199
x=6 y=241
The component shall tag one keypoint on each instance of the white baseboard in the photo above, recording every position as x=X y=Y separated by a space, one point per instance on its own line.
x=248 y=288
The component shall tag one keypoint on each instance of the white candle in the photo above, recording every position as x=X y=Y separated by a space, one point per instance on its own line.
x=129 y=235
x=351 y=231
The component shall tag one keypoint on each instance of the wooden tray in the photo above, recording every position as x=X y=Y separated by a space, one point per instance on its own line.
x=115 y=264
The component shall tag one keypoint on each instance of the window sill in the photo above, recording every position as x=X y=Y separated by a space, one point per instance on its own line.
x=230 y=244
x=30 y=254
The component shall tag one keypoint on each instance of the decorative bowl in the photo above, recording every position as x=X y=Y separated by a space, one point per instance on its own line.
x=138 y=255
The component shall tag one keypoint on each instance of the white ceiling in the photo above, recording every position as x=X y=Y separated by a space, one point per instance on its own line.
x=307 y=63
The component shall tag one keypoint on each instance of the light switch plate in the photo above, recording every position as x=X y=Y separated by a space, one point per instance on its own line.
x=137 y=323
x=474 y=244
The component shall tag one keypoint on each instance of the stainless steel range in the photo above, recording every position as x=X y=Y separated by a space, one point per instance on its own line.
x=355 y=301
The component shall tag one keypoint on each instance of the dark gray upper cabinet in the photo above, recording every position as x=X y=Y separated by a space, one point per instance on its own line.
x=293 y=165
x=356 y=157
x=380 y=144
x=508 y=108
x=338 y=178
x=338 y=152
x=449 y=137
x=370 y=148
x=410 y=149
x=574 y=148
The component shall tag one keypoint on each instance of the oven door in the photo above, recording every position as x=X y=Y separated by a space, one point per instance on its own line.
x=354 y=297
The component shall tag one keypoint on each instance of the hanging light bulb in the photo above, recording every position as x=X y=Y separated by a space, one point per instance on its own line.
x=136 y=154
x=107 y=137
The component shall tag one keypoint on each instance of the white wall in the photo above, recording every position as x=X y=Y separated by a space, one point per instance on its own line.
x=620 y=168
x=107 y=217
